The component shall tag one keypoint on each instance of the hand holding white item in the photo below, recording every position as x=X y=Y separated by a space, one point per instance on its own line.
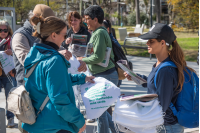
x=89 y=79
x=82 y=66
x=68 y=40
x=66 y=54
x=8 y=52
x=127 y=76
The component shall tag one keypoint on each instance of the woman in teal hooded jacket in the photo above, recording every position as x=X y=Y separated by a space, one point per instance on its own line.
x=51 y=78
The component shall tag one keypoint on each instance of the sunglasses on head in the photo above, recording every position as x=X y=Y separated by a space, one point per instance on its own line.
x=4 y=30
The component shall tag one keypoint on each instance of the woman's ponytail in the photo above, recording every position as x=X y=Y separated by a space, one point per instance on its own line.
x=177 y=56
x=38 y=21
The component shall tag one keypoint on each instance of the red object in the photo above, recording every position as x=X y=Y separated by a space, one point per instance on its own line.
x=8 y=39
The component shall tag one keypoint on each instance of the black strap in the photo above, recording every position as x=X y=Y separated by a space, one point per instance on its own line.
x=116 y=65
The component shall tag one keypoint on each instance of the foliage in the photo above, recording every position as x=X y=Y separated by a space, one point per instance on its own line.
x=115 y=15
x=154 y=17
x=106 y=15
x=144 y=19
x=132 y=18
x=23 y=7
x=125 y=20
x=187 y=12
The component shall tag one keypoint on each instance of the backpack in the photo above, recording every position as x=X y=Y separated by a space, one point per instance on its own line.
x=186 y=108
x=19 y=103
x=119 y=54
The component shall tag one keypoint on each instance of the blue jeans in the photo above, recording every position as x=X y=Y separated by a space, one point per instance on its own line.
x=5 y=83
x=177 y=128
x=105 y=121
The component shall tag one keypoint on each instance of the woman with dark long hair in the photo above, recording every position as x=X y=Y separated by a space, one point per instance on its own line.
x=162 y=42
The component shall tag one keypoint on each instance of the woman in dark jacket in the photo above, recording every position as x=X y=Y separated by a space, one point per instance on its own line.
x=76 y=27
x=169 y=82
x=6 y=33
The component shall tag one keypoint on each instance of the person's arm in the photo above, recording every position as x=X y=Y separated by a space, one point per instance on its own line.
x=142 y=76
x=20 y=46
x=58 y=90
x=166 y=82
x=77 y=79
x=99 y=47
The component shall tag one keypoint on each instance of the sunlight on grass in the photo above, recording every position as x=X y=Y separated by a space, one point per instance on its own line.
x=187 y=41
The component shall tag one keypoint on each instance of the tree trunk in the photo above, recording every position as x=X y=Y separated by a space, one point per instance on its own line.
x=94 y=2
x=158 y=11
x=137 y=11
x=172 y=13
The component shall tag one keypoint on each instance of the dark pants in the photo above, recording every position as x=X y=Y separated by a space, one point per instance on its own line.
x=105 y=120
x=5 y=83
x=64 y=131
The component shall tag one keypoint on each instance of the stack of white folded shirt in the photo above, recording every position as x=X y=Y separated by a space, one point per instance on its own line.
x=137 y=116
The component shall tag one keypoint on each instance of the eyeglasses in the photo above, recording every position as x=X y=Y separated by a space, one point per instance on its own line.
x=4 y=30
x=86 y=19
x=65 y=35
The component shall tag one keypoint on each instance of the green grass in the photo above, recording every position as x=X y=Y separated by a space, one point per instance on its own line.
x=187 y=41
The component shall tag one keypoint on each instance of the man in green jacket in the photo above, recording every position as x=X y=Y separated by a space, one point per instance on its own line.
x=100 y=39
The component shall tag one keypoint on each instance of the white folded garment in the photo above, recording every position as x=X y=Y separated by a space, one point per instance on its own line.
x=98 y=96
x=138 y=116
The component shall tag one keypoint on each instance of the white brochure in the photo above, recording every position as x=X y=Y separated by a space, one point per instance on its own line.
x=74 y=65
x=7 y=62
x=137 y=79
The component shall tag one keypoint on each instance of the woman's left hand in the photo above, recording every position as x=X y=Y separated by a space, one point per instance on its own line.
x=8 y=52
x=89 y=79
x=82 y=66
x=66 y=54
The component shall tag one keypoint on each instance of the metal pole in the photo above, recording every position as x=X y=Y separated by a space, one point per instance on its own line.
x=151 y=13
x=93 y=2
x=67 y=6
x=81 y=7
x=118 y=10
x=151 y=21
x=48 y=2
x=121 y=16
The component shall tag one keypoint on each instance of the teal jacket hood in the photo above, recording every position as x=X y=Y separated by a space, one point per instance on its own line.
x=40 y=52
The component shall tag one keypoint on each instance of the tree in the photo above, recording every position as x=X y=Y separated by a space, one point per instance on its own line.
x=6 y=3
x=186 y=11
x=137 y=11
x=146 y=2
x=170 y=12
x=132 y=2
x=158 y=11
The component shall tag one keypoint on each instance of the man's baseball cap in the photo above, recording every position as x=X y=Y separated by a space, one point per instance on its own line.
x=43 y=10
x=160 y=31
